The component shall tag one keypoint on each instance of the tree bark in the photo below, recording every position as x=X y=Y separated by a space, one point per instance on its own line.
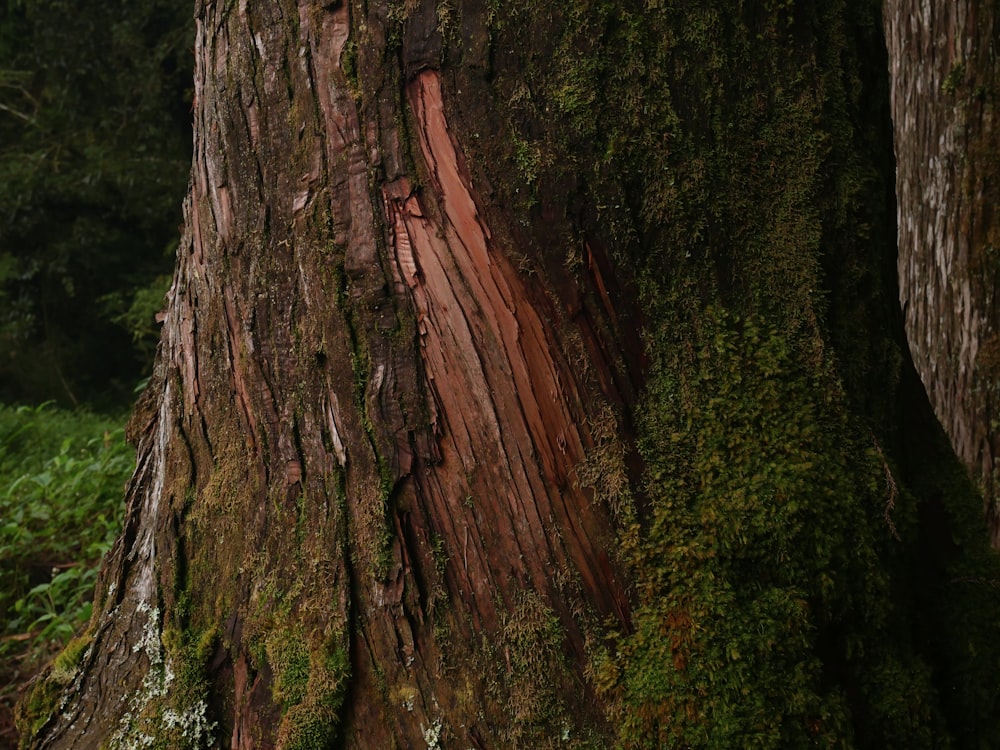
x=944 y=88
x=362 y=445
x=512 y=392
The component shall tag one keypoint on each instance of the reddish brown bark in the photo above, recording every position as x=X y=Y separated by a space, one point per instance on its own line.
x=366 y=425
x=385 y=452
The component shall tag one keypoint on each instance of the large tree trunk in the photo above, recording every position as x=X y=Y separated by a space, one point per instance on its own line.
x=361 y=449
x=944 y=90
x=512 y=392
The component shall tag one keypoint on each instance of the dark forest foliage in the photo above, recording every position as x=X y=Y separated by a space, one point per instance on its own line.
x=94 y=155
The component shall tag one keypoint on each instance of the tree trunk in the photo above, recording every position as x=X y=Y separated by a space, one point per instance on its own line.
x=944 y=87
x=362 y=447
x=511 y=393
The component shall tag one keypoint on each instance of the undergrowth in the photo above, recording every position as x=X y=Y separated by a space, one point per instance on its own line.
x=62 y=477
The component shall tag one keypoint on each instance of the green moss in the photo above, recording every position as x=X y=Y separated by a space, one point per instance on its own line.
x=766 y=534
x=290 y=627
x=528 y=159
x=68 y=661
x=310 y=681
x=170 y=710
x=33 y=711
x=954 y=79
x=288 y=655
x=534 y=675
x=604 y=471
x=799 y=526
x=349 y=65
x=42 y=699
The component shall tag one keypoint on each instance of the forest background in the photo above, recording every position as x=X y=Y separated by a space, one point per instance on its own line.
x=95 y=150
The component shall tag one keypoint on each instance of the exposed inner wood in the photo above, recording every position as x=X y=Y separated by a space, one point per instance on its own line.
x=512 y=424
x=499 y=495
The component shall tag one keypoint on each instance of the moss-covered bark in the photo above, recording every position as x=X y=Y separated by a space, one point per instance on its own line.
x=736 y=160
x=533 y=376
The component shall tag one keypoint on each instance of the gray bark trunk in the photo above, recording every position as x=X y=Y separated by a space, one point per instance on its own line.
x=944 y=71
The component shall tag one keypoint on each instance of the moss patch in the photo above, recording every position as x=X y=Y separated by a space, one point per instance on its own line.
x=766 y=537
x=800 y=531
x=42 y=699
x=310 y=681
x=531 y=680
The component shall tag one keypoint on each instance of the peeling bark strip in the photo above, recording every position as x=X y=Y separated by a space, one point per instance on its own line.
x=498 y=497
x=356 y=509
x=509 y=410
x=947 y=138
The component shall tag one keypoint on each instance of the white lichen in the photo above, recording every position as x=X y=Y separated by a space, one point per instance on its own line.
x=193 y=724
x=133 y=729
x=149 y=640
x=432 y=735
